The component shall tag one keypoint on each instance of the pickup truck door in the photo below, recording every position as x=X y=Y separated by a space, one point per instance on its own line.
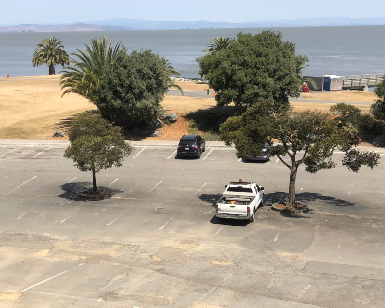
x=257 y=198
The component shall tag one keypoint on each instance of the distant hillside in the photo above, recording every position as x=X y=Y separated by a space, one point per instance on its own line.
x=59 y=28
x=138 y=24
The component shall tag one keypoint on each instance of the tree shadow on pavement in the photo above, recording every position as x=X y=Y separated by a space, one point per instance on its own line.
x=211 y=198
x=73 y=191
x=270 y=199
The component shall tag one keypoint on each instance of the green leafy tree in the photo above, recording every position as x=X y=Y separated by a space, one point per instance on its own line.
x=95 y=144
x=50 y=52
x=89 y=67
x=217 y=44
x=378 y=108
x=308 y=138
x=254 y=67
x=132 y=89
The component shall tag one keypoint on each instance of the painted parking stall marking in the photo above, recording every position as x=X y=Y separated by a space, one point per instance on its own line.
x=200 y=188
x=21 y=185
x=172 y=217
x=139 y=152
x=219 y=230
x=65 y=219
x=171 y=155
x=111 y=222
x=41 y=282
x=10 y=151
x=42 y=151
x=21 y=215
x=208 y=154
x=154 y=187
x=112 y=182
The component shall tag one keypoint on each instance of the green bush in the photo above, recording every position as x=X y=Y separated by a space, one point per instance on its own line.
x=370 y=126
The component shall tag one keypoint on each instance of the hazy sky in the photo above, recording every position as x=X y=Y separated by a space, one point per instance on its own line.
x=49 y=11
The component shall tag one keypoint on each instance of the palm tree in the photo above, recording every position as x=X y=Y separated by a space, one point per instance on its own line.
x=90 y=67
x=173 y=72
x=50 y=52
x=217 y=44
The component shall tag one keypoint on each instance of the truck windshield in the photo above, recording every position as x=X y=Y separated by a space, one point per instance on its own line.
x=240 y=189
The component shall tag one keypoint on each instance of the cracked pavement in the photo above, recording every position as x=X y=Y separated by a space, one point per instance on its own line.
x=159 y=245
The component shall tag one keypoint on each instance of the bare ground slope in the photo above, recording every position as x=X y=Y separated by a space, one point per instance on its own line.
x=32 y=107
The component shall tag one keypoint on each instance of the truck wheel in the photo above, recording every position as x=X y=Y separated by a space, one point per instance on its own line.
x=251 y=219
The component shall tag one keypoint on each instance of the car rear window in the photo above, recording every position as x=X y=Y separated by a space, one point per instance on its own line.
x=187 y=142
x=240 y=189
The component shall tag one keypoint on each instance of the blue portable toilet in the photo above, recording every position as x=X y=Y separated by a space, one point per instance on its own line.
x=327 y=81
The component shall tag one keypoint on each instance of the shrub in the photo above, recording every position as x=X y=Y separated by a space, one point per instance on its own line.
x=370 y=126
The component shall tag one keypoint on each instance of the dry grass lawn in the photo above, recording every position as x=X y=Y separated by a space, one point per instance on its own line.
x=32 y=107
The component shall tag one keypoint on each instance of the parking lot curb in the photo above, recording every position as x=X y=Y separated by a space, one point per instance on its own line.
x=144 y=143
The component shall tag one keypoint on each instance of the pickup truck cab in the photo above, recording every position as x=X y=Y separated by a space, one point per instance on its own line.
x=240 y=200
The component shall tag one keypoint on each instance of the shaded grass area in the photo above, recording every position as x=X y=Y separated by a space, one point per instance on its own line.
x=206 y=122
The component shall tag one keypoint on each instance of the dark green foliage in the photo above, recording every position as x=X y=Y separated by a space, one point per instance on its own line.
x=378 y=108
x=308 y=138
x=370 y=126
x=218 y=44
x=95 y=144
x=50 y=52
x=253 y=67
x=89 y=68
x=132 y=88
x=209 y=120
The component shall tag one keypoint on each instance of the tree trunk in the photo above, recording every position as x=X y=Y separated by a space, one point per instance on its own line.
x=52 y=69
x=95 y=188
x=293 y=175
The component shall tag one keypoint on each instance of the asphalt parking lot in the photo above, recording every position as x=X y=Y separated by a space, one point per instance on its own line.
x=157 y=243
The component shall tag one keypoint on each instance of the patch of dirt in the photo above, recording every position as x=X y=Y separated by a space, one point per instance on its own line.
x=174 y=131
x=222 y=263
x=183 y=245
x=9 y=296
x=341 y=96
x=156 y=258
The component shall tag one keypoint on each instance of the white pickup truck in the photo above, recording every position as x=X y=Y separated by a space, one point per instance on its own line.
x=240 y=200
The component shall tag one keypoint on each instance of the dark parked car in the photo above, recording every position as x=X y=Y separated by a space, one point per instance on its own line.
x=191 y=145
x=264 y=155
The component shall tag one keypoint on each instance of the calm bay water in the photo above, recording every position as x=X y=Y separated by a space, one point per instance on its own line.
x=331 y=50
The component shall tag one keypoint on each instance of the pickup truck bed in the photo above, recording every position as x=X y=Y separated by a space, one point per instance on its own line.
x=240 y=200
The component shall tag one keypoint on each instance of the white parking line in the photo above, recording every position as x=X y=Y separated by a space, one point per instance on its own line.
x=42 y=151
x=208 y=154
x=167 y=222
x=303 y=291
x=21 y=215
x=154 y=187
x=219 y=230
x=239 y=160
x=171 y=155
x=200 y=188
x=211 y=290
x=21 y=185
x=276 y=237
x=9 y=152
x=26 y=289
x=109 y=224
x=277 y=161
x=72 y=179
x=112 y=182
x=65 y=219
x=139 y=152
